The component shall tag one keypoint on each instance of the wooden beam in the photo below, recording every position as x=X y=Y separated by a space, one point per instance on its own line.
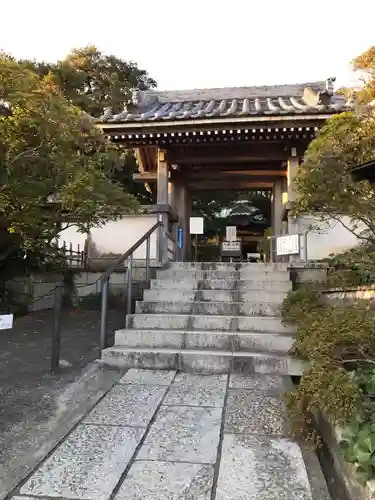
x=230 y=186
x=145 y=177
x=203 y=174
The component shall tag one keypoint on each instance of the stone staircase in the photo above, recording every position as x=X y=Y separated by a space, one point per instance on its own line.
x=209 y=318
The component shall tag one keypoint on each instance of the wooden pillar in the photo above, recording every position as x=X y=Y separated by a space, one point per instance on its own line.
x=277 y=207
x=180 y=204
x=293 y=164
x=162 y=199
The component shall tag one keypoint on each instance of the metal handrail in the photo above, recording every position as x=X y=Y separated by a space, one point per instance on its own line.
x=105 y=280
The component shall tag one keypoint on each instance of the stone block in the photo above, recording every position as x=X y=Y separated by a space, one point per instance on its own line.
x=148 y=377
x=208 y=340
x=257 y=383
x=87 y=465
x=197 y=390
x=137 y=357
x=251 y=412
x=202 y=362
x=184 y=434
x=150 y=338
x=260 y=468
x=166 y=481
x=127 y=405
x=266 y=342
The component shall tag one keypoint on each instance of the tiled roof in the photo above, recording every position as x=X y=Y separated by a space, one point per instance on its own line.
x=305 y=98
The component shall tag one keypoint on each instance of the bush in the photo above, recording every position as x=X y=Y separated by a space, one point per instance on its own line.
x=354 y=267
x=338 y=341
x=299 y=303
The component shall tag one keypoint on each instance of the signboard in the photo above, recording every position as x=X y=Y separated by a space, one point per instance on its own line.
x=231 y=249
x=6 y=321
x=180 y=238
x=196 y=225
x=231 y=233
x=287 y=245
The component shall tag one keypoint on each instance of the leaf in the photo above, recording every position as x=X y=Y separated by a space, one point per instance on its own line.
x=364 y=473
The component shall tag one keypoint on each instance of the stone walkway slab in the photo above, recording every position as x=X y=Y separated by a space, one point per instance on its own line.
x=132 y=405
x=197 y=390
x=260 y=468
x=185 y=434
x=159 y=436
x=167 y=481
x=250 y=412
x=88 y=465
x=148 y=377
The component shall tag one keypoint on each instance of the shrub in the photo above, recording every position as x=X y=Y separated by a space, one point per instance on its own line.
x=299 y=303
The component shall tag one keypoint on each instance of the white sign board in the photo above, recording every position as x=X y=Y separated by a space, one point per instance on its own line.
x=6 y=321
x=196 y=225
x=287 y=245
x=231 y=246
x=231 y=233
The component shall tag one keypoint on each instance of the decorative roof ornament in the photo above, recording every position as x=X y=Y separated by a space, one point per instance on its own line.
x=141 y=99
x=107 y=113
x=324 y=97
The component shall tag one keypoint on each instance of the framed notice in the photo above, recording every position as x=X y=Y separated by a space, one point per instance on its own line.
x=287 y=245
x=196 y=225
x=6 y=321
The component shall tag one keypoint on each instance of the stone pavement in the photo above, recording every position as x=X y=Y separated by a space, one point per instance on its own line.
x=162 y=435
x=36 y=407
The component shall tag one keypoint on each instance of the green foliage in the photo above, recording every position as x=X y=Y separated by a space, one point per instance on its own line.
x=325 y=387
x=357 y=446
x=353 y=267
x=339 y=344
x=92 y=80
x=299 y=303
x=55 y=165
x=337 y=333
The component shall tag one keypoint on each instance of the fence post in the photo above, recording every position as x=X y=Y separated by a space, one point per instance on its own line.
x=104 y=314
x=130 y=286
x=148 y=248
x=57 y=307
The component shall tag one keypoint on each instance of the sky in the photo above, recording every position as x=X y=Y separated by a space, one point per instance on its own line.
x=200 y=43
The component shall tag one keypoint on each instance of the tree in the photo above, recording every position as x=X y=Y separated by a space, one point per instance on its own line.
x=324 y=184
x=92 y=80
x=55 y=164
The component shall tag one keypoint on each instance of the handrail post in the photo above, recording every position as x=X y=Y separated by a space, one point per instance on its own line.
x=104 y=314
x=130 y=285
x=56 y=337
x=148 y=249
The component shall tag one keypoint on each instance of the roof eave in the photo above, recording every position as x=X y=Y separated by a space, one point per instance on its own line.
x=214 y=121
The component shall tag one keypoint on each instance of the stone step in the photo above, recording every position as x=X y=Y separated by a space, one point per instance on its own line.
x=182 y=295
x=230 y=341
x=210 y=308
x=203 y=322
x=222 y=274
x=279 y=266
x=213 y=284
x=202 y=361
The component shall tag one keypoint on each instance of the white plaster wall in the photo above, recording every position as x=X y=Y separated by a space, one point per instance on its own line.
x=332 y=237
x=116 y=236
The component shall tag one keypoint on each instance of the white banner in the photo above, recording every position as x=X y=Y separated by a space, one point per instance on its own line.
x=287 y=245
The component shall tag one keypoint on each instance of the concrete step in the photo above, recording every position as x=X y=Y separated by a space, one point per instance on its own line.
x=229 y=341
x=205 y=322
x=223 y=274
x=202 y=361
x=209 y=308
x=279 y=266
x=224 y=284
x=182 y=295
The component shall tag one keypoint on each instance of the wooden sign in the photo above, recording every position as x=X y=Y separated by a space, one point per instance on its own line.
x=287 y=245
